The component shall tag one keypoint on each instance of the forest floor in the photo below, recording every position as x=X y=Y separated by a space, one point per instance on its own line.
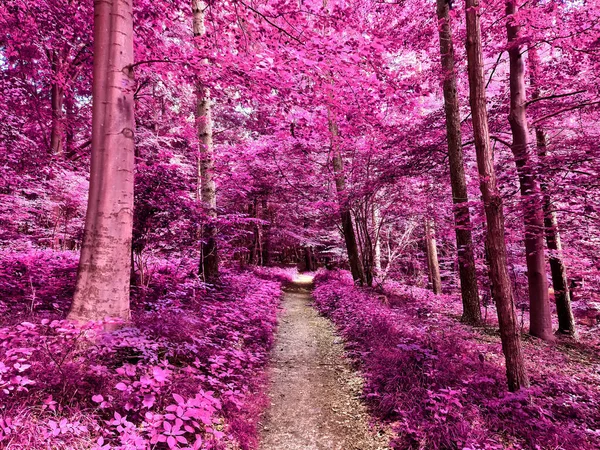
x=315 y=394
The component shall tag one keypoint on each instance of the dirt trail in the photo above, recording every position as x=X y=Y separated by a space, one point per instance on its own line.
x=314 y=393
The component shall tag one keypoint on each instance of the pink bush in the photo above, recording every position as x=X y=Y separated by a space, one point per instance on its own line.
x=189 y=374
x=441 y=384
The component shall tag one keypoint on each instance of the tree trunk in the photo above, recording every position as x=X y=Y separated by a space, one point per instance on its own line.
x=102 y=289
x=57 y=97
x=68 y=146
x=209 y=258
x=345 y=214
x=266 y=248
x=560 y=283
x=432 y=259
x=309 y=260
x=507 y=317
x=539 y=307
x=462 y=217
x=255 y=246
x=376 y=218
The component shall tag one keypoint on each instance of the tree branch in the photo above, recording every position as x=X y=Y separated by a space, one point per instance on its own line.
x=549 y=97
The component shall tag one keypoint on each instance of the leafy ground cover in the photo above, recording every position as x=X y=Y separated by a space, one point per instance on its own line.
x=441 y=384
x=187 y=373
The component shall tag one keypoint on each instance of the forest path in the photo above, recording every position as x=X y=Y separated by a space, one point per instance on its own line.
x=314 y=393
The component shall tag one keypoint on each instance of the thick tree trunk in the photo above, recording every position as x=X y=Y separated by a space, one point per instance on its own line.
x=209 y=258
x=57 y=98
x=462 y=218
x=102 y=289
x=560 y=283
x=432 y=259
x=346 y=216
x=507 y=317
x=539 y=306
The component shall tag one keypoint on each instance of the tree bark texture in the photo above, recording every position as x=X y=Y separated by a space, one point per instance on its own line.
x=560 y=282
x=102 y=289
x=345 y=213
x=462 y=218
x=496 y=245
x=209 y=258
x=539 y=306
x=57 y=98
x=376 y=219
x=432 y=258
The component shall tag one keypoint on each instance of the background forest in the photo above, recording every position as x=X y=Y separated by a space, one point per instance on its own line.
x=445 y=154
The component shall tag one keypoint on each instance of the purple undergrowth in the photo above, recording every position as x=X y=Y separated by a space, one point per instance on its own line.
x=188 y=373
x=441 y=385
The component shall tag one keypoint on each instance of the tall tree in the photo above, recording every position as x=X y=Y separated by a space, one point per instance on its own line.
x=496 y=245
x=345 y=214
x=560 y=283
x=540 y=322
x=462 y=218
x=102 y=288
x=209 y=260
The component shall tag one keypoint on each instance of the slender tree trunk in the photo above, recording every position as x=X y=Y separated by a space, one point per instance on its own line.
x=266 y=248
x=432 y=258
x=57 y=98
x=560 y=283
x=376 y=218
x=68 y=146
x=496 y=245
x=102 y=288
x=462 y=217
x=209 y=258
x=539 y=306
x=346 y=216
x=254 y=254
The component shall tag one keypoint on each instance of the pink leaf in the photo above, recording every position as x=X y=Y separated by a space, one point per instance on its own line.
x=179 y=399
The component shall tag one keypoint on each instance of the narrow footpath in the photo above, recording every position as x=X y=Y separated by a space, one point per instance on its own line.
x=314 y=392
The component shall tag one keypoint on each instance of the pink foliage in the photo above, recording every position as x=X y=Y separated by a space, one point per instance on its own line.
x=189 y=375
x=441 y=384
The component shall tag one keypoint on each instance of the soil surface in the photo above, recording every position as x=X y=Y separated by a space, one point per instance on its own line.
x=314 y=393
